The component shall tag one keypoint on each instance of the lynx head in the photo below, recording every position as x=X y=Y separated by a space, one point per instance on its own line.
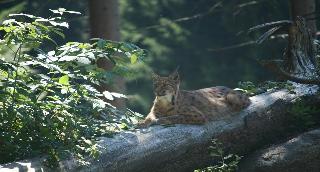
x=166 y=86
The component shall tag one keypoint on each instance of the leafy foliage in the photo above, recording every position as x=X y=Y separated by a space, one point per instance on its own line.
x=251 y=89
x=48 y=101
x=304 y=114
x=225 y=163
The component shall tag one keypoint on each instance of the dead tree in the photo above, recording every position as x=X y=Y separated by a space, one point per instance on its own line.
x=306 y=9
x=299 y=63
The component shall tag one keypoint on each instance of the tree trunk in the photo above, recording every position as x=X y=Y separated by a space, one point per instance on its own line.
x=104 y=19
x=300 y=58
x=299 y=154
x=298 y=40
x=306 y=9
x=104 y=23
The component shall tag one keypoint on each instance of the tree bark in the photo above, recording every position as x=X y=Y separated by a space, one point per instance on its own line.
x=104 y=19
x=300 y=55
x=185 y=147
x=306 y=9
x=104 y=23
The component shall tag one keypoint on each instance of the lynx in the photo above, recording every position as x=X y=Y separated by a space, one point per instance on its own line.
x=175 y=106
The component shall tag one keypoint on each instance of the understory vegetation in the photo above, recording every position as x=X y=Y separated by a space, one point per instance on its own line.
x=49 y=104
x=252 y=89
x=305 y=114
x=223 y=162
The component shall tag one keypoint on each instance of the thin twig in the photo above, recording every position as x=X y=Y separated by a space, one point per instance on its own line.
x=247 y=4
x=18 y=53
x=276 y=23
x=183 y=19
x=233 y=46
x=243 y=44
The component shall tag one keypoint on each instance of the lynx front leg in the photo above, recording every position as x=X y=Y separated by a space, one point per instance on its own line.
x=182 y=119
x=149 y=120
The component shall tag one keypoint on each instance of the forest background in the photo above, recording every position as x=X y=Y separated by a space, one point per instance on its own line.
x=207 y=39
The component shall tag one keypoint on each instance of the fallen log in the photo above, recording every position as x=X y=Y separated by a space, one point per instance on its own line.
x=184 y=147
x=299 y=154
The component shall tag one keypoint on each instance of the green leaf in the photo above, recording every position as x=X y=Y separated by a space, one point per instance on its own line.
x=124 y=126
x=89 y=142
x=97 y=103
x=64 y=80
x=108 y=95
x=58 y=33
x=62 y=24
x=133 y=58
x=118 y=95
x=101 y=43
x=63 y=10
x=25 y=15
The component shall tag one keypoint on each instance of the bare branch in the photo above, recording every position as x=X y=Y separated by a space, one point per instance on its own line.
x=267 y=34
x=243 y=44
x=196 y=16
x=271 y=24
x=233 y=46
x=247 y=4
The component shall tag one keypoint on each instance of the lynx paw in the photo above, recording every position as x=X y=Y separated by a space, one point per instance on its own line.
x=142 y=124
x=146 y=123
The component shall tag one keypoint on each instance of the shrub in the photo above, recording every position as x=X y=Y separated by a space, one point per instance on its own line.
x=48 y=101
x=224 y=163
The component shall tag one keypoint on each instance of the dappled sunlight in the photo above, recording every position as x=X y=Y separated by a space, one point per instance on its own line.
x=21 y=166
x=128 y=137
x=265 y=99
x=274 y=154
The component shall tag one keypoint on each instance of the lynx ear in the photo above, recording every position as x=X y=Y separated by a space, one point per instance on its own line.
x=175 y=75
x=154 y=76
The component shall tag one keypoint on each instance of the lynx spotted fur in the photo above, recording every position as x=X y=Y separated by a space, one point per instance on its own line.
x=175 y=106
